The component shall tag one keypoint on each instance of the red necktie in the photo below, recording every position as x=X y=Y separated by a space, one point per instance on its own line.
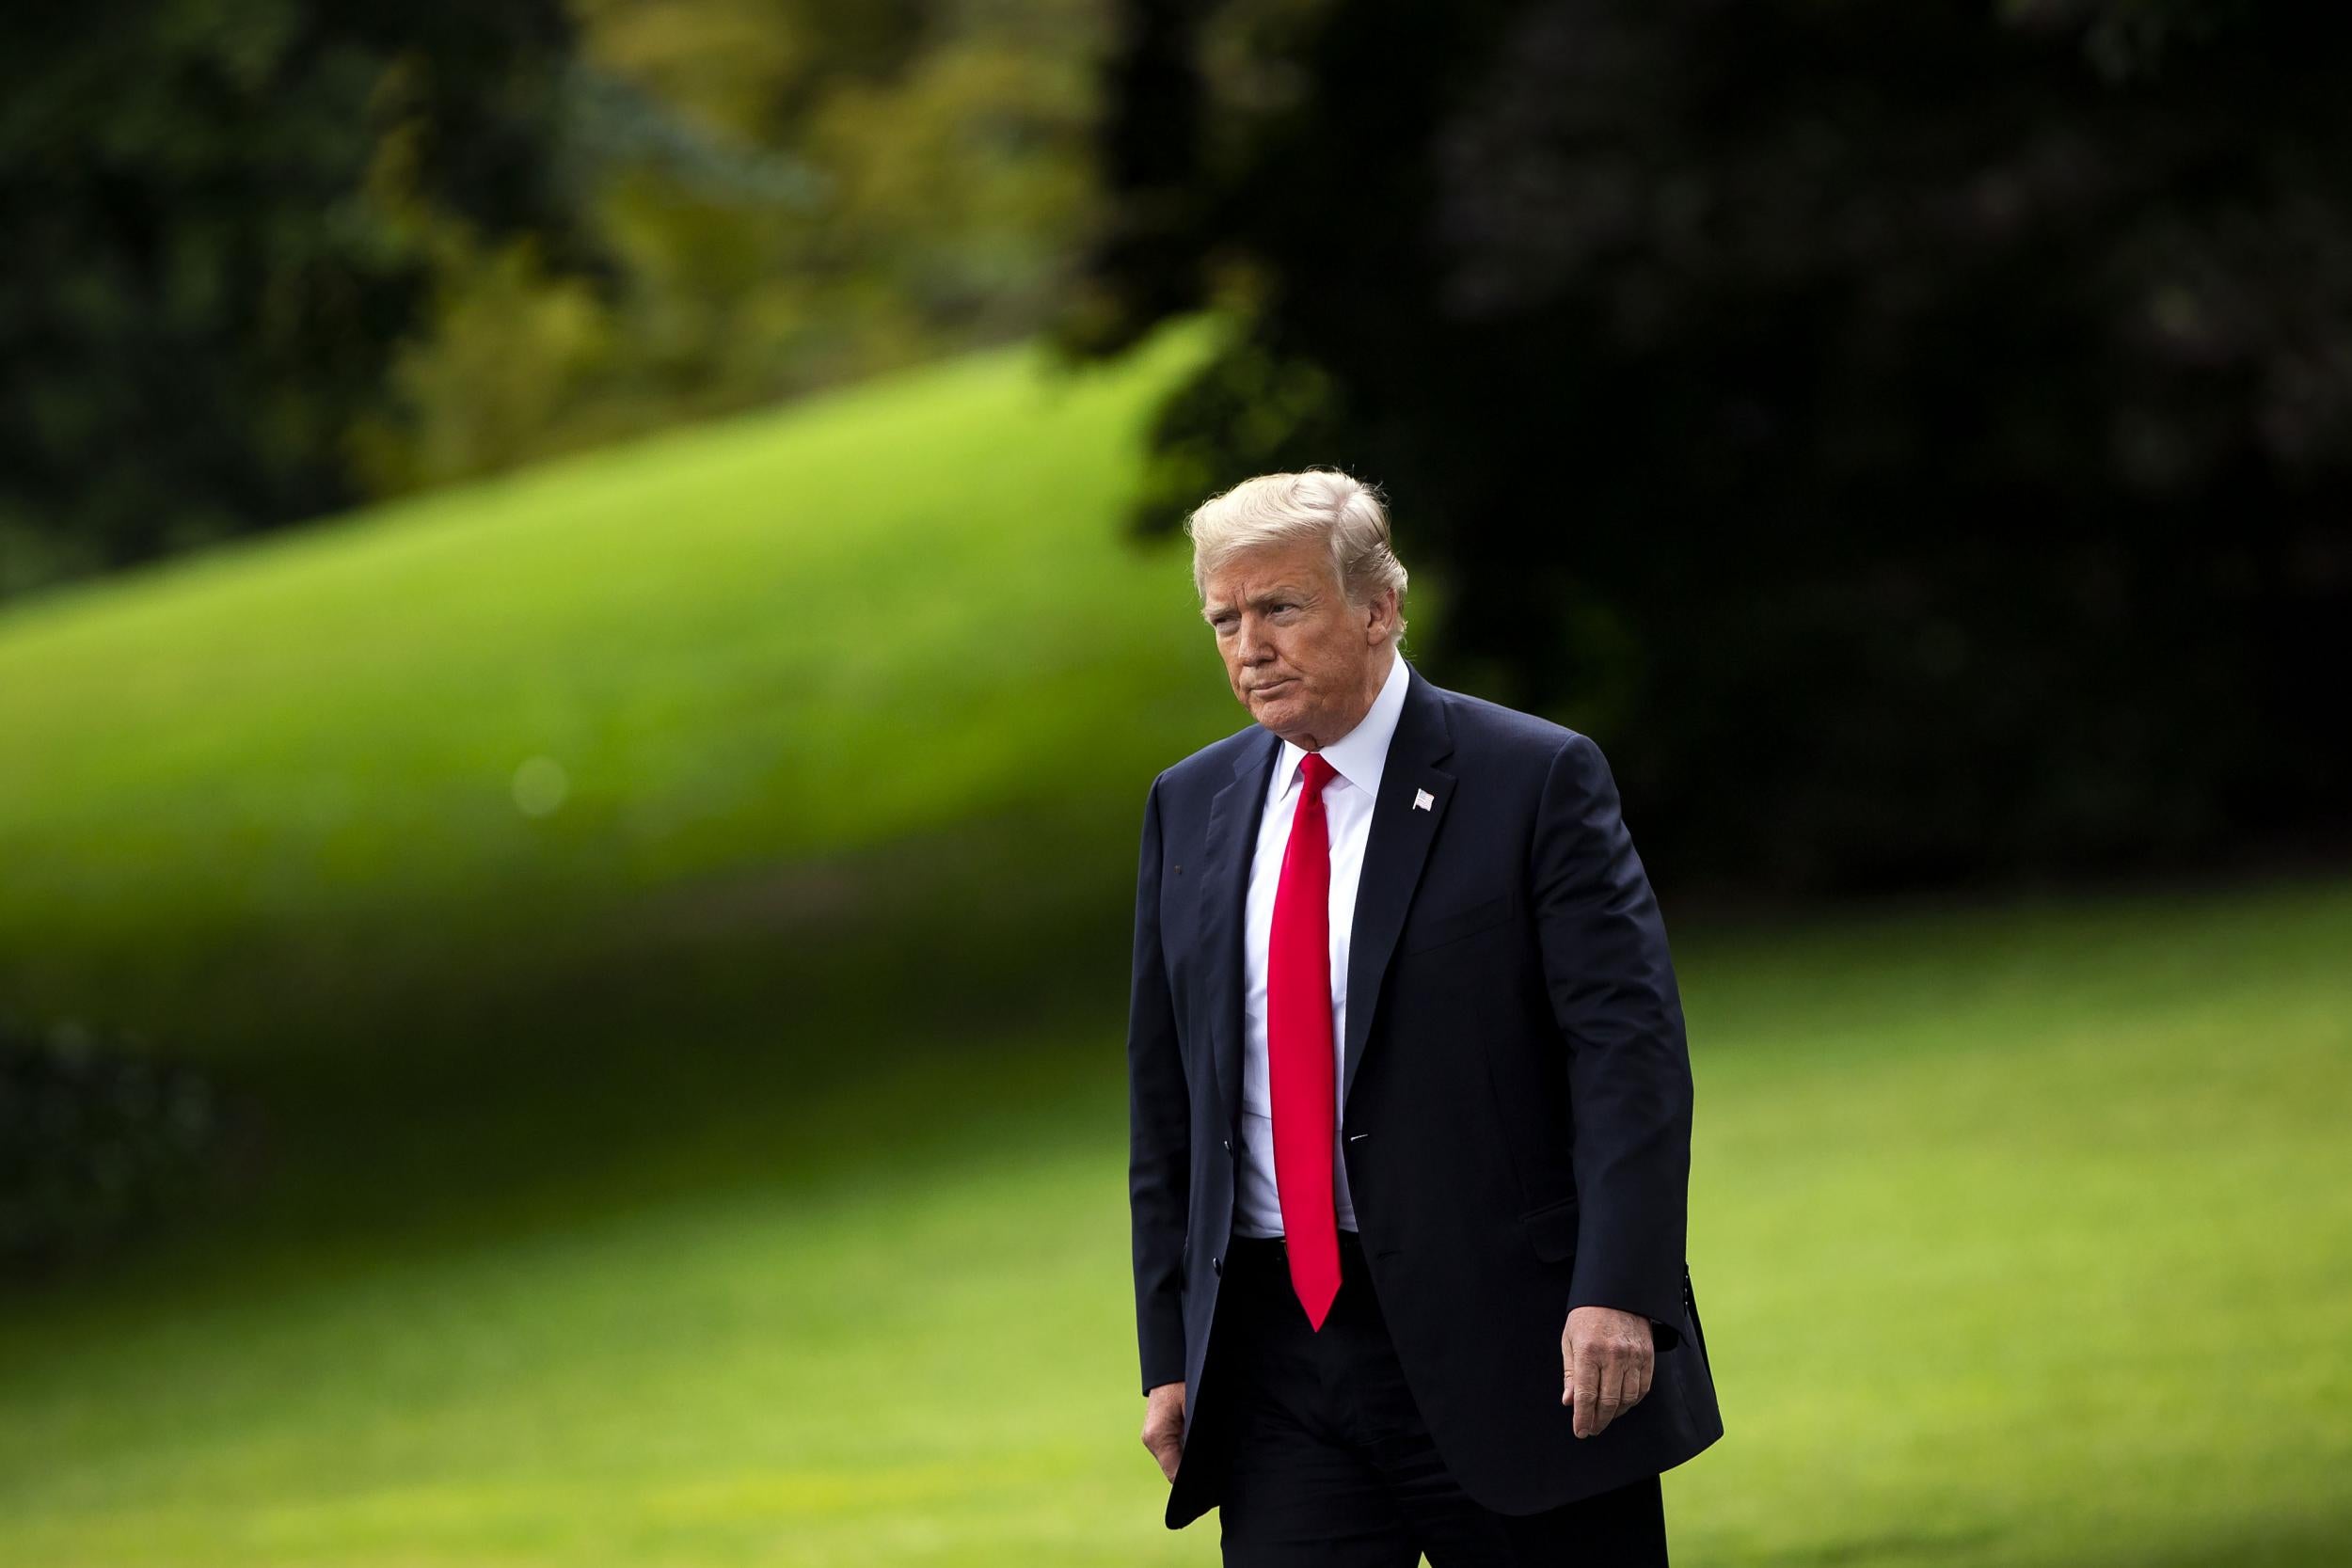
x=1299 y=1048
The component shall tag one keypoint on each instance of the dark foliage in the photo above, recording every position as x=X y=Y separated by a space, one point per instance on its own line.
x=99 y=1142
x=212 y=210
x=1915 y=437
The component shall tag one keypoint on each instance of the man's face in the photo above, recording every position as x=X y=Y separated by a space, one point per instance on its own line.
x=1304 y=661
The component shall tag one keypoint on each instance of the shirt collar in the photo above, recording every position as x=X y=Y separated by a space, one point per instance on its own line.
x=1359 y=755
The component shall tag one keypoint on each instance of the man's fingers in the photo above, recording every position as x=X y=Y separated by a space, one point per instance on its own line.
x=1587 y=1391
x=1163 y=1426
x=1610 y=1361
x=1612 y=1379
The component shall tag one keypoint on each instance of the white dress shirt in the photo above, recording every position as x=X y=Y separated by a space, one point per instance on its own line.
x=1357 y=758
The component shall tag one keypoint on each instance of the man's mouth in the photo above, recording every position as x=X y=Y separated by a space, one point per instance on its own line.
x=1271 y=686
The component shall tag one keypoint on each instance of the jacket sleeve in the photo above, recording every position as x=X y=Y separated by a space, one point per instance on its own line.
x=1613 y=993
x=1158 y=1131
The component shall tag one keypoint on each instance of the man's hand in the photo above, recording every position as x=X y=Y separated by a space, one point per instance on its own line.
x=1607 y=1358
x=1163 y=1426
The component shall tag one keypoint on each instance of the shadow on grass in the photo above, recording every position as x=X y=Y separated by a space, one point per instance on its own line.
x=867 y=1013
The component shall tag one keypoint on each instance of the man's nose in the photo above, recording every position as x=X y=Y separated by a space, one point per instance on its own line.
x=1254 y=649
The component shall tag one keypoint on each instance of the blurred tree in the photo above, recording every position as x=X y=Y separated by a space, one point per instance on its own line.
x=220 y=217
x=1917 y=438
x=273 y=256
x=797 y=193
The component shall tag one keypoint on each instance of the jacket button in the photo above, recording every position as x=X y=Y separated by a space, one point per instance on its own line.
x=1229 y=1146
x=1217 y=1267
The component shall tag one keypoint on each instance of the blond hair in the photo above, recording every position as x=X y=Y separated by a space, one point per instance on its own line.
x=1342 y=513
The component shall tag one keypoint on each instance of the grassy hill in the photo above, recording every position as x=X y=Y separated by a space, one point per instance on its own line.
x=712 y=664
x=672 y=909
x=595 y=807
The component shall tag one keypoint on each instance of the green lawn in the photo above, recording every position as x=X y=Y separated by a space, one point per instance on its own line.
x=902 y=616
x=728 y=1165
x=2024 y=1236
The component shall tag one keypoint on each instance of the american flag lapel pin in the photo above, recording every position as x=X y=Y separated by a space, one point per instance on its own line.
x=1424 y=801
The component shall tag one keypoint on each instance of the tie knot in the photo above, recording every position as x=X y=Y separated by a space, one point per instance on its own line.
x=1318 y=772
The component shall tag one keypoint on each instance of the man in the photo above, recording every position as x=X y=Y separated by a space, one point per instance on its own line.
x=1409 y=1102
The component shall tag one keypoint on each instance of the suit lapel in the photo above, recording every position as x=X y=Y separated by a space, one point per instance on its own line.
x=1393 y=856
x=1227 y=847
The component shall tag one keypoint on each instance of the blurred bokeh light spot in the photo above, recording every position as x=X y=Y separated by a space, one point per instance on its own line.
x=540 y=786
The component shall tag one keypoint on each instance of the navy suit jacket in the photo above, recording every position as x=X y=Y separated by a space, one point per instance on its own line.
x=1514 y=1091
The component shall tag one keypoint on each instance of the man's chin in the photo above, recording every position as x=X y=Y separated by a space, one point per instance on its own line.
x=1270 y=709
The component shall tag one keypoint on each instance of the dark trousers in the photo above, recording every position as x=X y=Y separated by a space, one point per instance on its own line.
x=1323 y=1457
